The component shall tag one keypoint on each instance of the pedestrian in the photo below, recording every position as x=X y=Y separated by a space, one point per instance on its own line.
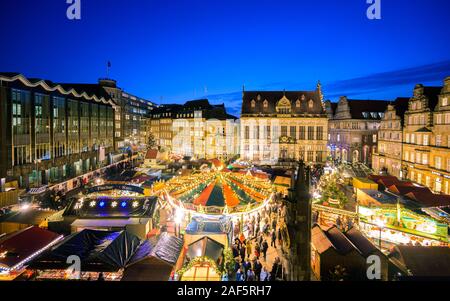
x=264 y=248
x=242 y=253
x=249 y=247
x=235 y=251
x=258 y=268
x=280 y=237
x=250 y=275
x=273 y=238
x=264 y=276
x=240 y=275
x=246 y=267
x=257 y=250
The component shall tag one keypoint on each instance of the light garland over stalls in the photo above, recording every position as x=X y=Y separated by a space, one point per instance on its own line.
x=199 y=260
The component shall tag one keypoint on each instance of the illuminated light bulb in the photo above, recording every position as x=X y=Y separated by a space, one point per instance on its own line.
x=135 y=204
x=92 y=203
x=114 y=204
x=102 y=204
x=123 y=204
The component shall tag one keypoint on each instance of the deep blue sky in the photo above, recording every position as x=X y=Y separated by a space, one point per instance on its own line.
x=169 y=51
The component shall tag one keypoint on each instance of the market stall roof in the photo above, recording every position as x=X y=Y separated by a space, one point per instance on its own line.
x=106 y=207
x=422 y=261
x=205 y=247
x=154 y=260
x=98 y=251
x=108 y=222
x=27 y=217
x=324 y=239
x=203 y=225
x=362 y=243
x=18 y=248
x=282 y=181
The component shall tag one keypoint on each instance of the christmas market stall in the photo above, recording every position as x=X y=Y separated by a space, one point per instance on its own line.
x=154 y=260
x=103 y=254
x=109 y=207
x=19 y=248
x=203 y=261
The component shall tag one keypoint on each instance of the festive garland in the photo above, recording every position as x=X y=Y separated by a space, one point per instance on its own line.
x=199 y=260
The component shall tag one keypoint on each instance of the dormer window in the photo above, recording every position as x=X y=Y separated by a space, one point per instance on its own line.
x=284 y=106
x=298 y=103
x=253 y=103
x=311 y=104
x=266 y=103
x=444 y=101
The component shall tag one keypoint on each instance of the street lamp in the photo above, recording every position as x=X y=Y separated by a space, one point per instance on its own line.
x=381 y=224
x=179 y=214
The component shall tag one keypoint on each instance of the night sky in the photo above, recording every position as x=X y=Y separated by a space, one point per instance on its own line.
x=174 y=50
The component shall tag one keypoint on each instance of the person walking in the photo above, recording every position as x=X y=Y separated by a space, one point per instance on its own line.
x=240 y=275
x=264 y=276
x=249 y=247
x=250 y=275
x=258 y=269
x=273 y=238
x=264 y=248
x=257 y=250
x=242 y=253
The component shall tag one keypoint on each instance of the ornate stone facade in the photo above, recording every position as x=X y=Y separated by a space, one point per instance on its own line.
x=353 y=128
x=283 y=126
x=388 y=157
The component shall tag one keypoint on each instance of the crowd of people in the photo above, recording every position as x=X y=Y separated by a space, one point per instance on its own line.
x=253 y=239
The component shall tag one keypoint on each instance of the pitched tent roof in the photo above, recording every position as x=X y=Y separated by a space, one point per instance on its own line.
x=205 y=247
x=427 y=199
x=98 y=251
x=362 y=243
x=423 y=261
x=154 y=260
x=331 y=238
x=21 y=246
x=29 y=217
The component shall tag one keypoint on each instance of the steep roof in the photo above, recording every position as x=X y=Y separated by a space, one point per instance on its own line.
x=358 y=107
x=273 y=97
x=21 y=245
x=362 y=243
x=423 y=261
x=331 y=238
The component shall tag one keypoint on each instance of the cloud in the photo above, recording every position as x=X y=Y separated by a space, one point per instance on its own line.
x=383 y=85
x=374 y=83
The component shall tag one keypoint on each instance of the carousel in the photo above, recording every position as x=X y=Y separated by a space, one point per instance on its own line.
x=219 y=192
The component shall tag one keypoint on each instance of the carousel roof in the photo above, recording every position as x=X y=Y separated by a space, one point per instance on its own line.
x=219 y=189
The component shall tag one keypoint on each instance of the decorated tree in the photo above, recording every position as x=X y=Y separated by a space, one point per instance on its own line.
x=331 y=191
x=151 y=142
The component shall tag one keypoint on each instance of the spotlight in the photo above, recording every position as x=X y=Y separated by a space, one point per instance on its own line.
x=102 y=204
x=123 y=204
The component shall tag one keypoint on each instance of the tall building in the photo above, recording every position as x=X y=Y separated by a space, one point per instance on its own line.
x=284 y=126
x=51 y=132
x=196 y=129
x=388 y=155
x=426 y=145
x=131 y=111
x=353 y=128
x=160 y=124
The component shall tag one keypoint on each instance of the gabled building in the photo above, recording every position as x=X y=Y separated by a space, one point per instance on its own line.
x=388 y=155
x=353 y=128
x=283 y=126
x=426 y=145
x=204 y=131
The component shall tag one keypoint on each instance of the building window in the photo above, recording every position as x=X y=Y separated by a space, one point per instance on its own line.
x=302 y=133
x=425 y=139
x=437 y=162
x=319 y=133
x=438 y=140
x=310 y=133
x=293 y=132
x=374 y=138
x=247 y=132
x=253 y=103
x=283 y=130
x=444 y=101
x=425 y=159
